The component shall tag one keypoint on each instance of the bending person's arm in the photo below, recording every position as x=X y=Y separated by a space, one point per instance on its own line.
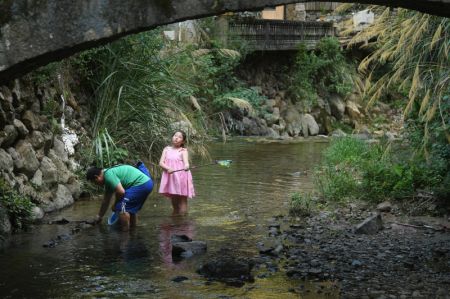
x=119 y=192
x=105 y=203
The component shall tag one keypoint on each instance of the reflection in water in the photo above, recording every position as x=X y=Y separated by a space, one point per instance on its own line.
x=174 y=225
x=132 y=247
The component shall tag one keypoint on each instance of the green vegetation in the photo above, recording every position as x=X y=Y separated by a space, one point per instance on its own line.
x=353 y=169
x=18 y=207
x=301 y=204
x=324 y=70
x=144 y=85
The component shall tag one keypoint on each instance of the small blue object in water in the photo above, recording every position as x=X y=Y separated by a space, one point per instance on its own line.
x=113 y=218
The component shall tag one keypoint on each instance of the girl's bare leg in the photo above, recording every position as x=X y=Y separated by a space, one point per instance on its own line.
x=183 y=205
x=175 y=206
x=124 y=221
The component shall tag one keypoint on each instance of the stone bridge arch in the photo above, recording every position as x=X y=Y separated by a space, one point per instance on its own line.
x=36 y=32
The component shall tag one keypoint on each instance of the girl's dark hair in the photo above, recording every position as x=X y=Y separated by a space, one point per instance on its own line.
x=182 y=134
x=92 y=172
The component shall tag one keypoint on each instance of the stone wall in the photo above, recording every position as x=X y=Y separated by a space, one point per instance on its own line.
x=34 y=160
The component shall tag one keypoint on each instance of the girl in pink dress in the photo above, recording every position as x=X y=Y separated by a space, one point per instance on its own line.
x=177 y=185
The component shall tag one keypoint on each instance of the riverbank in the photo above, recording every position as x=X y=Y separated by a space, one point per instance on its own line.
x=408 y=258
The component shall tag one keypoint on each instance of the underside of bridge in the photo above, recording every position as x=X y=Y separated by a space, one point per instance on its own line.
x=34 y=33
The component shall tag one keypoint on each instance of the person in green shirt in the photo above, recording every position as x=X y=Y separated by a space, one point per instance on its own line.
x=130 y=186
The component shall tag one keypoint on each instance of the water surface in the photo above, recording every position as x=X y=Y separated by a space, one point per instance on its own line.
x=232 y=209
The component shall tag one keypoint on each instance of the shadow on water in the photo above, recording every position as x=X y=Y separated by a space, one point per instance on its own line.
x=232 y=209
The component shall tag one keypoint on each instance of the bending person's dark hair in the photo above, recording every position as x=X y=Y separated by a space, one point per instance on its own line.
x=92 y=172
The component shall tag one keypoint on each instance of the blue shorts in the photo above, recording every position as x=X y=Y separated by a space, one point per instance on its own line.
x=134 y=198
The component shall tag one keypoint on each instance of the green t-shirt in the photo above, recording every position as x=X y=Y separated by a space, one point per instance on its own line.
x=127 y=175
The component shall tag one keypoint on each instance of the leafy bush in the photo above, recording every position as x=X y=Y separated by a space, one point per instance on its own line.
x=322 y=70
x=19 y=207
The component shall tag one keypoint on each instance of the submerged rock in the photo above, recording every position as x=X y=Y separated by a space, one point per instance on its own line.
x=231 y=270
x=188 y=249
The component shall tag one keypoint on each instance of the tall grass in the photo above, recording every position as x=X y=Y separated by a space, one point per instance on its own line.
x=145 y=88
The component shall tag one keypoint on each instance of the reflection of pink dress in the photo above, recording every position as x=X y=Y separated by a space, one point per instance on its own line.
x=176 y=226
x=180 y=182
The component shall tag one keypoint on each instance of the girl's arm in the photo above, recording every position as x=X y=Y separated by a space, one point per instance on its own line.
x=186 y=159
x=161 y=162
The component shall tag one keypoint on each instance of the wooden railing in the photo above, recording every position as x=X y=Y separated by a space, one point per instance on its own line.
x=271 y=35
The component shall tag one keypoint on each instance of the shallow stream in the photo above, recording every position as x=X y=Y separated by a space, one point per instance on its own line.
x=232 y=209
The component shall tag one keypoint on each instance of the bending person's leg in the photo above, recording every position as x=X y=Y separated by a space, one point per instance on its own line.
x=133 y=220
x=124 y=221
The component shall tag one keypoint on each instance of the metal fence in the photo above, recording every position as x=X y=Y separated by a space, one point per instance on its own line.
x=279 y=35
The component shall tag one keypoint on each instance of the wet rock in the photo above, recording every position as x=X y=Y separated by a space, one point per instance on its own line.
x=188 y=249
x=231 y=270
x=371 y=225
x=179 y=238
x=179 y=278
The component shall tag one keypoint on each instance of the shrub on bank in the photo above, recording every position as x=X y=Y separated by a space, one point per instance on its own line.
x=353 y=169
x=18 y=207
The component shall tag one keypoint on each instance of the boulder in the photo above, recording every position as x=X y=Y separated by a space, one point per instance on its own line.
x=352 y=110
x=49 y=171
x=293 y=121
x=31 y=120
x=20 y=127
x=8 y=136
x=75 y=187
x=370 y=225
x=63 y=172
x=385 y=206
x=6 y=161
x=37 y=178
x=36 y=139
x=337 y=106
x=37 y=213
x=27 y=163
x=338 y=133
x=61 y=199
x=60 y=150
x=309 y=125
x=272 y=118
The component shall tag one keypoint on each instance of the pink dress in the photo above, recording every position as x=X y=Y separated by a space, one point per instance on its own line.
x=176 y=183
